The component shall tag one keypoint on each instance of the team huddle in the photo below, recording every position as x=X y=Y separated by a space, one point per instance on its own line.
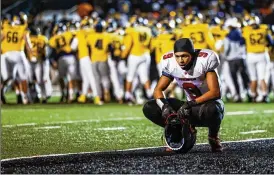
x=100 y=59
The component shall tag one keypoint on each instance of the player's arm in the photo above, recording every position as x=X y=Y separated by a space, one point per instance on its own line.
x=161 y=86
x=28 y=43
x=2 y=36
x=74 y=43
x=161 y=101
x=213 y=88
x=127 y=46
x=212 y=62
x=269 y=40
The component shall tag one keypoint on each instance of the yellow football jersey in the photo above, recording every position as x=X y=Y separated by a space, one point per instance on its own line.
x=61 y=42
x=163 y=43
x=13 y=38
x=145 y=37
x=82 y=50
x=218 y=33
x=200 y=35
x=255 y=39
x=135 y=42
x=99 y=46
x=39 y=43
x=117 y=43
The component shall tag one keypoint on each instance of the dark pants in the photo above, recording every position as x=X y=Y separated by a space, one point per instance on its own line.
x=235 y=66
x=209 y=114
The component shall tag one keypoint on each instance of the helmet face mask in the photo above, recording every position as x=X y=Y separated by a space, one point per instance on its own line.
x=179 y=136
x=173 y=133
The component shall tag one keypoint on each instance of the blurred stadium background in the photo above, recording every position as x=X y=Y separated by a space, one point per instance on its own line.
x=41 y=129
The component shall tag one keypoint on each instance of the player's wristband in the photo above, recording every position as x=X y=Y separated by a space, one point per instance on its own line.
x=161 y=102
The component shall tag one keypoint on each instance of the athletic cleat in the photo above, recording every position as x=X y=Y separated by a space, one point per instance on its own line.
x=98 y=101
x=215 y=144
x=82 y=99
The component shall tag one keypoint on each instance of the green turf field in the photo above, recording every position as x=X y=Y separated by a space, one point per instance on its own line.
x=53 y=129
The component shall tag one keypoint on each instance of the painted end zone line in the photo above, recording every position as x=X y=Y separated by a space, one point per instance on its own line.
x=126 y=118
x=125 y=150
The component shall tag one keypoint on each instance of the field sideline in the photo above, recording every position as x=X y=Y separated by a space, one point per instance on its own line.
x=35 y=130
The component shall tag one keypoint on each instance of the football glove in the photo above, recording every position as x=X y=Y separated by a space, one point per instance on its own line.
x=167 y=111
x=185 y=109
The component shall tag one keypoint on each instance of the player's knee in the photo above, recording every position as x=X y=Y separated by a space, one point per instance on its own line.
x=214 y=112
x=148 y=108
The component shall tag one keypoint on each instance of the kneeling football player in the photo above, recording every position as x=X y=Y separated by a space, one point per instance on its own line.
x=195 y=72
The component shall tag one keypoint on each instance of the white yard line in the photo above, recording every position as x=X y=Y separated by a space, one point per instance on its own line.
x=48 y=127
x=133 y=149
x=240 y=113
x=268 y=111
x=231 y=113
x=76 y=121
x=253 y=132
x=110 y=129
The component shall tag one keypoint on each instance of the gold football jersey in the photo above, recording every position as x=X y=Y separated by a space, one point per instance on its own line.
x=99 y=46
x=218 y=33
x=200 y=35
x=39 y=43
x=145 y=35
x=117 y=43
x=61 y=42
x=135 y=42
x=82 y=50
x=255 y=39
x=163 y=43
x=13 y=38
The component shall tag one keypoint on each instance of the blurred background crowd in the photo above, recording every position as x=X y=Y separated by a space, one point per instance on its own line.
x=82 y=50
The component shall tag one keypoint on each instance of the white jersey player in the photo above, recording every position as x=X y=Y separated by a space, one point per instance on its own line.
x=193 y=81
x=194 y=71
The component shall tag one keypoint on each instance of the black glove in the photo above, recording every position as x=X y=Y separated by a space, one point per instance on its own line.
x=185 y=109
x=167 y=111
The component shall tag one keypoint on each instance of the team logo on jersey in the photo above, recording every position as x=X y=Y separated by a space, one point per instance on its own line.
x=203 y=54
x=169 y=55
x=187 y=79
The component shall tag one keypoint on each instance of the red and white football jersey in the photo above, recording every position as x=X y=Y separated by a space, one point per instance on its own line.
x=193 y=81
